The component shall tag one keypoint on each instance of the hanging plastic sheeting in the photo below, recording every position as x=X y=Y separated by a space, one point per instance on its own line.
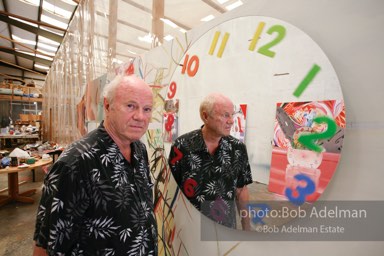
x=82 y=57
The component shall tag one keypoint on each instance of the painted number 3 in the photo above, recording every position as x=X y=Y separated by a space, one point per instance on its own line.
x=301 y=192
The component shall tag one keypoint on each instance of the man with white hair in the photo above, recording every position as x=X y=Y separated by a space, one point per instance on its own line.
x=211 y=166
x=97 y=197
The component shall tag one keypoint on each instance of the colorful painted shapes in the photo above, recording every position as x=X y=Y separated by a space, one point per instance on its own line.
x=261 y=212
x=308 y=140
x=214 y=43
x=178 y=156
x=307 y=80
x=219 y=210
x=266 y=48
x=298 y=195
x=190 y=65
x=189 y=187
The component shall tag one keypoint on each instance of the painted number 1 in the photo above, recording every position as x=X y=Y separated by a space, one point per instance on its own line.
x=265 y=49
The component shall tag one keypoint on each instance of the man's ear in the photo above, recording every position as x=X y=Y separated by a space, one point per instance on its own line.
x=205 y=116
x=106 y=104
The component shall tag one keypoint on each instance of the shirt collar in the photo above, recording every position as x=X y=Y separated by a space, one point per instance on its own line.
x=103 y=135
x=198 y=143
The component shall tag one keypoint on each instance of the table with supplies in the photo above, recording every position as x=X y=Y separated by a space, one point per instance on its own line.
x=13 y=182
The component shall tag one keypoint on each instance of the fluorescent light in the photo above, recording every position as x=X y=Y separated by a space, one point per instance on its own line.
x=71 y=2
x=169 y=23
x=47 y=47
x=26 y=22
x=56 y=10
x=222 y=1
x=148 y=38
x=28 y=53
x=24 y=41
x=234 y=5
x=168 y=37
x=31 y=2
x=114 y=60
x=48 y=41
x=52 y=54
x=41 y=66
x=132 y=52
x=44 y=57
x=53 y=22
x=52 y=31
x=34 y=54
x=208 y=18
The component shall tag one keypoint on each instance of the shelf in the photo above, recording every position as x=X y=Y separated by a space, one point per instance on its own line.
x=33 y=122
x=9 y=142
x=4 y=97
x=20 y=136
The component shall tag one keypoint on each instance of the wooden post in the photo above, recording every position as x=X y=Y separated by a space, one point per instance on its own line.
x=157 y=24
x=50 y=125
x=112 y=32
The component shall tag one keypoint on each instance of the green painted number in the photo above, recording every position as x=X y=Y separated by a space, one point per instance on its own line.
x=265 y=50
x=308 y=140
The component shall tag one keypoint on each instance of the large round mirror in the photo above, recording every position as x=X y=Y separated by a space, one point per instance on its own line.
x=289 y=110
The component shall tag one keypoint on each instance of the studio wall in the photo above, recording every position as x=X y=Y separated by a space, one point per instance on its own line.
x=346 y=31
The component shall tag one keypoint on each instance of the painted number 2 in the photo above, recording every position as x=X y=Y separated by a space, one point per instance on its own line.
x=265 y=49
x=308 y=140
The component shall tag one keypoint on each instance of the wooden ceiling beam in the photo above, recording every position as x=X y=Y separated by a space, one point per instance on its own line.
x=157 y=24
x=23 y=45
x=31 y=29
x=25 y=56
x=8 y=64
x=32 y=21
x=143 y=8
x=12 y=78
x=214 y=6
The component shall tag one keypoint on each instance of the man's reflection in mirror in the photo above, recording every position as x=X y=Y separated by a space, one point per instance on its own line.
x=211 y=167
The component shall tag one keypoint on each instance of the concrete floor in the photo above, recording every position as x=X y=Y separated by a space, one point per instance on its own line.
x=17 y=220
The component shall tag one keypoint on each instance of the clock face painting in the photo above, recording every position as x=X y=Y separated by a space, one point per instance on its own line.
x=295 y=114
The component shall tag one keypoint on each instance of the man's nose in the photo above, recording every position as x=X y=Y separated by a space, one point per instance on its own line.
x=139 y=114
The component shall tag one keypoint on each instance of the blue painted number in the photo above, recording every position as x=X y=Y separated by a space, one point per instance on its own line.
x=302 y=191
x=258 y=215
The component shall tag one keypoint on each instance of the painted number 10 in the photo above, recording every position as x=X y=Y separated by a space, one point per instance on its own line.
x=190 y=65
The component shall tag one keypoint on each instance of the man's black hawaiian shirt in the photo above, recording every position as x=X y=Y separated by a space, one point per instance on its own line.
x=210 y=181
x=95 y=202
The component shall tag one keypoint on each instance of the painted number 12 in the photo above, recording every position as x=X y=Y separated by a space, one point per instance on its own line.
x=265 y=49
